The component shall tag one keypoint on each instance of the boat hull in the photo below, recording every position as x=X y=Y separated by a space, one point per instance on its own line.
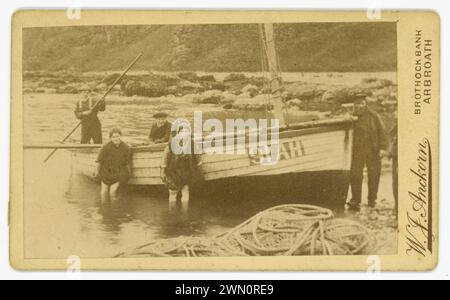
x=313 y=149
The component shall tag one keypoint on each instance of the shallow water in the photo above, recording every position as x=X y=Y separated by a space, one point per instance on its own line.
x=63 y=212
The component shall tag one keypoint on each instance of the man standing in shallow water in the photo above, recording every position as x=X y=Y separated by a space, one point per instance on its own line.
x=114 y=164
x=369 y=145
x=161 y=130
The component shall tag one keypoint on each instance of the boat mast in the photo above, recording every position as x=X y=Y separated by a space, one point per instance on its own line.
x=276 y=84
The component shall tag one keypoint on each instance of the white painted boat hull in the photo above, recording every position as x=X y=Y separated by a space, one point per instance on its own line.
x=317 y=148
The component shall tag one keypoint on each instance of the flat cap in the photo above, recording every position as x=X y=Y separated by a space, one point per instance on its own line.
x=160 y=115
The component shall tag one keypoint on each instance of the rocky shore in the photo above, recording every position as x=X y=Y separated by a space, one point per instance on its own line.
x=235 y=91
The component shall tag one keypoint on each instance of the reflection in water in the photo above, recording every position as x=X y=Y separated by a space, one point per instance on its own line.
x=65 y=215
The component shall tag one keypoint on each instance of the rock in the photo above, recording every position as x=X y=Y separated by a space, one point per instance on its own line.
x=375 y=83
x=343 y=95
x=257 y=103
x=217 y=86
x=152 y=88
x=68 y=90
x=250 y=89
x=305 y=91
x=85 y=87
x=235 y=77
x=117 y=88
x=192 y=98
x=53 y=82
x=295 y=103
x=101 y=87
x=211 y=97
x=383 y=92
x=287 y=96
x=189 y=76
x=108 y=80
x=173 y=89
x=207 y=78
x=228 y=98
x=187 y=87
x=328 y=96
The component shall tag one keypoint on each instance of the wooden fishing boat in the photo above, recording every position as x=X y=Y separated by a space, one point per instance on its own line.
x=305 y=147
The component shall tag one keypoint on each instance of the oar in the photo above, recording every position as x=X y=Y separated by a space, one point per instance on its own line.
x=96 y=104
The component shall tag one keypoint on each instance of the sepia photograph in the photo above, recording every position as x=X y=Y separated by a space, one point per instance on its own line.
x=100 y=106
x=219 y=142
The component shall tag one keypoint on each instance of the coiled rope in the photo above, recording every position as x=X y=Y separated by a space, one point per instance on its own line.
x=283 y=230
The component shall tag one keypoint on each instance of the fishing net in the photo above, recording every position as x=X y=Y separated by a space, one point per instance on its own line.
x=283 y=230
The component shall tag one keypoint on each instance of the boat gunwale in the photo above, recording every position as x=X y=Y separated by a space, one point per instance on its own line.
x=305 y=128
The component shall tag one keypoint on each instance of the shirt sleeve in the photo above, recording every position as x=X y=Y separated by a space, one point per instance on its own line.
x=78 y=112
x=101 y=105
x=165 y=157
x=167 y=133
x=151 y=135
x=102 y=155
x=381 y=134
x=129 y=155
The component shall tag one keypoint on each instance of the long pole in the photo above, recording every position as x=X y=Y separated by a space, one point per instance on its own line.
x=96 y=104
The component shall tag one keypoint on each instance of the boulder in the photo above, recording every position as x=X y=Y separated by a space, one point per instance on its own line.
x=210 y=97
x=69 y=89
x=189 y=76
x=250 y=89
x=108 y=80
x=207 y=78
x=233 y=77
x=295 y=103
x=376 y=83
x=228 y=98
x=257 y=103
x=101 y=87
x=305 y=91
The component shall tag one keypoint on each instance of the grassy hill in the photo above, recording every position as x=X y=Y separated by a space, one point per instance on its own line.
x=309 y=47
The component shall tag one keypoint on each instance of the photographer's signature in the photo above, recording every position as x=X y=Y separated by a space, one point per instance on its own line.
x=419 y=226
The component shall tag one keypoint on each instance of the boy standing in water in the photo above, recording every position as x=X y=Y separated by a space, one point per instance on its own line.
x=114 y=164
x=180 y=168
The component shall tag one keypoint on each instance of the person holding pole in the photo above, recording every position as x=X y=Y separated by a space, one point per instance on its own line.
x=86 y=111
x=50 y=155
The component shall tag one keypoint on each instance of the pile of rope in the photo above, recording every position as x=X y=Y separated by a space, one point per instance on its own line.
x=282 y=230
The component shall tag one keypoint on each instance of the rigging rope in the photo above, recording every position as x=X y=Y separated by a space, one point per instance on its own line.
x=283 y=230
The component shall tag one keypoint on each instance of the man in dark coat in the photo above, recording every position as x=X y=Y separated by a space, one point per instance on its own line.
x=86 y=111
x=369 y=144
x=161 y=130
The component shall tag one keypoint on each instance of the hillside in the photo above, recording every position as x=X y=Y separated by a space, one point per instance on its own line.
x=363 y=47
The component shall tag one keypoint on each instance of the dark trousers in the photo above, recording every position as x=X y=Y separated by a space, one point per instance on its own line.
x=395 y=181
x=361 y=159
x=91 y=131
